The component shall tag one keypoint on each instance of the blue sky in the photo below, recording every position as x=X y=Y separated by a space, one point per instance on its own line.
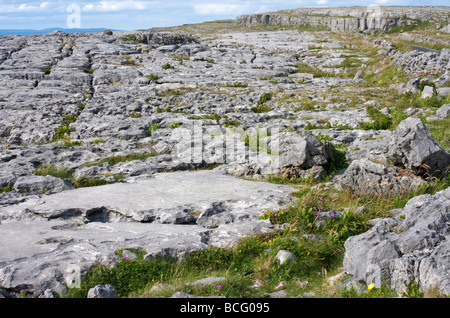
x=144 y=14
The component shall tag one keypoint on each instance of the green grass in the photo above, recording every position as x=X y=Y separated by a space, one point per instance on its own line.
x=388 y=75
x=380 y=121
x=235 y=85
x=8 y=188
x=113 y=160
x=87 y=70
x=47 y=69
x=58 y=172
x=440 y=129
x=262 y=107
x=152 y=78
x=306 y=68
x=63 y=131
x=416 y=25
x=66 y=173
x=167 y=66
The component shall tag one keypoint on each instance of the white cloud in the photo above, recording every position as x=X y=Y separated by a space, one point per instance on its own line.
x=24 y=7
x=322 y=2
x=44 y=5
x=107 y=6
x=219 y=9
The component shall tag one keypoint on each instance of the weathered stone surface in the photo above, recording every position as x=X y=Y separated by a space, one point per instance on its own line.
x=413 y=147
x=366 y=177
x=168 y=198
x=398 y=252
x=343 y=19
x=284 y=257
x=102 y=291
x=122 y=108
x=157 y=215
x=42 y=184
x=428 y=92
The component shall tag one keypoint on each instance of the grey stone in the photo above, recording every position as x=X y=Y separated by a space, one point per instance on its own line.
x=323 y=217
x=100 y=79
x=443 y=111
x=315 y=237
x=201 y=194
x=207 y=281
x=102 y=291
x=47 y=294
x=284 y=257
x=186 y=295
x=398 y=252
x=77 y=229
x=281 y=293
x=366 y=177
x=428 y=92
x=126 y=254
x=443 y=91
x=413 y=147
x=42 y=184
x=359 y=75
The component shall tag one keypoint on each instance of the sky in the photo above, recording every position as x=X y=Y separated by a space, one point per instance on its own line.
x=145 y=14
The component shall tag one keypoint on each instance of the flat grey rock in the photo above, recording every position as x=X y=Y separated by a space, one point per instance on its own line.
x=74 y=230
x=176 y=198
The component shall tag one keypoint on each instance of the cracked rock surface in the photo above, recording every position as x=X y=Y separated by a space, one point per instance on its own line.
x=104 y=137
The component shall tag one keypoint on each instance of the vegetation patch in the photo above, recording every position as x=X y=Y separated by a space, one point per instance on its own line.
x=113 y=160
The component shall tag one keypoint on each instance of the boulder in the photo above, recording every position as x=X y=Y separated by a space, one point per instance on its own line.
x=427 y=92
x=42 y=184
x=102 y=291
x=299 y=153
x=443 y=111
x=364 y=177
x=412 y=147
x=399 y=252
x=284 y=257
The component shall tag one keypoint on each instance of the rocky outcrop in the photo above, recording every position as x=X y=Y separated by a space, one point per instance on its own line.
x=289 y=155
x=133 y=111
x=420 y=63
x=169 y=214
x=411 y=248
x=412 y=147
x=352 y=19
x=364 y=177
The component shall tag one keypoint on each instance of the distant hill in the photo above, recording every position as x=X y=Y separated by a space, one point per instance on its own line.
x=37 y=32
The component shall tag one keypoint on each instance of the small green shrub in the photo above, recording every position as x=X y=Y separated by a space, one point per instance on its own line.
x=174 y=125
x=152 y=128
x=153 y=78
x=58 y=172
x=47 y=69
x=235 y=85
x=8 y=188
x=379 y=121
x=87 y=70
x=265 y=98
x=167 y=66
x=116 y=159
x=98 y=141
x=127 y=276
x=130 y=38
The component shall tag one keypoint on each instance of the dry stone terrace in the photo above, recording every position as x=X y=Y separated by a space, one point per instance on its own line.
x=132 y=112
